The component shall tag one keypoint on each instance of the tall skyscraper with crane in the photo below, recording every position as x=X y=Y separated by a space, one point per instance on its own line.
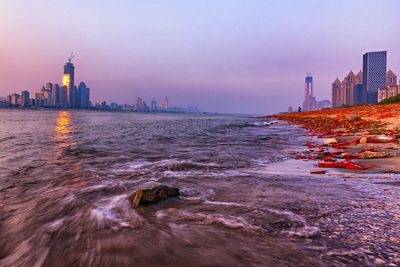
x=68 y=81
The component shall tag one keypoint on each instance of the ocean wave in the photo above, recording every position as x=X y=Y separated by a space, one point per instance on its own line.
x=300 y=228
x=261 y=123
x=116 y=211
x=228 y=221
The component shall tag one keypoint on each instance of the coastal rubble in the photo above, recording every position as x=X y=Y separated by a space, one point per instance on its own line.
x=372 y=155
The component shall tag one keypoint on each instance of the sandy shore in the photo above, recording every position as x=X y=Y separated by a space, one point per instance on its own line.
x=358 y=132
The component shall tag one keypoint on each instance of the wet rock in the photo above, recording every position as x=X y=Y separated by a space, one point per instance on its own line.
x=363 y=140
x=154 y=195
x=330 y=141
x=373 y=155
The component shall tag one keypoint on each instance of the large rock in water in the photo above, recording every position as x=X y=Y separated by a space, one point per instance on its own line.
x=154 y=195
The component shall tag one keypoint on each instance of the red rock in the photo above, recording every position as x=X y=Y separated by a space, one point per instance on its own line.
x=318 y=172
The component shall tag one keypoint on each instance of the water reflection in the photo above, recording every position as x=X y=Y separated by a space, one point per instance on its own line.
x=64 y=131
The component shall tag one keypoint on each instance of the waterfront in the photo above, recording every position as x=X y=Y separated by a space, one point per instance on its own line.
x=66 y=178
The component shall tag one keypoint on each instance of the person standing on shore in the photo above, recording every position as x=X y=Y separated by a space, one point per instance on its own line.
x=299 y=109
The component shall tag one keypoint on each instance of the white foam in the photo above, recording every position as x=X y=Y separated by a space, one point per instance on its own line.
x=208 y=219
x=304 y=231
x=54 y=226
x=115 y=210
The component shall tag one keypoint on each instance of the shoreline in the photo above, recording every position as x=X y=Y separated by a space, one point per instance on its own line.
x=354 y=133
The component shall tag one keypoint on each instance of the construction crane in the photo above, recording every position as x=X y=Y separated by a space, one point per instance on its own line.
x=71 y=57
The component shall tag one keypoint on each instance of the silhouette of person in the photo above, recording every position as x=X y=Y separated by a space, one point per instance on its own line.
x=299 y=109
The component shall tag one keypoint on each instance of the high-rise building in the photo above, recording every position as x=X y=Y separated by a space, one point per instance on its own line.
x=139 y=104
x=359 y=78
x=68 y=81
x=391 y=78
x=15 y=99
x=64 y=96
x=39 y=99
x=153 y=105
x=49 y=86
x=309 y=99
x=336 y=100
x=166 y=104
x=25 y=99
x=374 y=74
x=83 y=96
x=56 y=95
x=348 y=91
x=48 y=94
x=359 y=96
x=48 y=98
x=348 y=88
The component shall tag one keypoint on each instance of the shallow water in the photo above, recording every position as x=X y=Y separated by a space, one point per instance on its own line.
x=66 y=178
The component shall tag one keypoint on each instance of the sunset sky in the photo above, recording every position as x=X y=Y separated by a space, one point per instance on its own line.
x=236 y=56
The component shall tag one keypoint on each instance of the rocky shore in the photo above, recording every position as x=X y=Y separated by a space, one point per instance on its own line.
x=362 y=139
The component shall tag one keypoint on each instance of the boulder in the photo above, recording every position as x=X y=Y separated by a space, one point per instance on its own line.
x=154 y=195
x=363 y=140
x=330 y=141
x=373 y=155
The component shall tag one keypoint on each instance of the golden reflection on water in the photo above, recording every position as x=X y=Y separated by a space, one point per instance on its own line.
x=64 y=136
x=64 y=130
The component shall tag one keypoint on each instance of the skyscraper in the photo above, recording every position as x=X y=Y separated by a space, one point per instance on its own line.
x=25 y=99
x=68 y=81
x=64 y=96
x=336 y=93
x=48 y=94
x=56 y=95
x=166 y=104
x=83 y=96
x=309 y=100
x=374 y=74
x=348 y=88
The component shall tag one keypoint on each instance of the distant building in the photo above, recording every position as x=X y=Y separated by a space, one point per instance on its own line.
x=290 y=109
x=374 y=74
x=64 y=96
x=14 y=99
x=83 y=96
x=56 y=95
x=166 y=104
x=359 y=96
x=309 y=103
x=323 y=104
x=391 y=89
x=39 y=97
x=139 y=104
x=25 y=99
x=348 y=91
x=348 y=87
x=153 y=106
x=336 y=94
x=382 y=94
x=391 y=78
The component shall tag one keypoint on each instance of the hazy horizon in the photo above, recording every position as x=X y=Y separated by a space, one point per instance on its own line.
x=231 y=57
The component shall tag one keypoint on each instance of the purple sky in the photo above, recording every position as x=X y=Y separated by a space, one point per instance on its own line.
x=242 y=56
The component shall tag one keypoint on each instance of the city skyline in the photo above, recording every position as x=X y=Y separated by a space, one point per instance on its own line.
x=221 y=56
x=69 y=95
